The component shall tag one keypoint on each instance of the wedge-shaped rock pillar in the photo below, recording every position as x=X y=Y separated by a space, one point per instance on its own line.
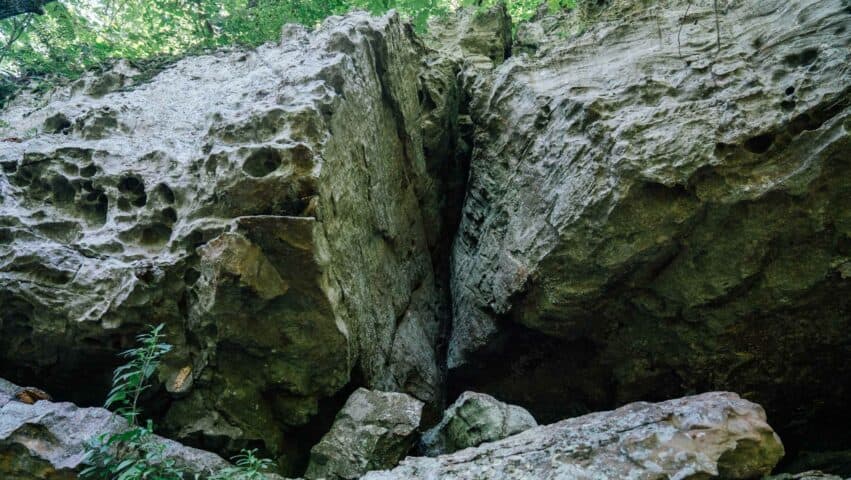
x=273 y=207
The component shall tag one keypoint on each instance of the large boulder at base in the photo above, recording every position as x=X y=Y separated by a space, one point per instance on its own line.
x=46 y=440
x=274 y=207
x=713 y=435
x=809 y=475
x=473 y=419
x=651 y=213
x=373 y=431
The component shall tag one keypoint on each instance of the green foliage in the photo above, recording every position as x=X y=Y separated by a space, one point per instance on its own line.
x=248 y=467
x=77 y=35
x=132 y=454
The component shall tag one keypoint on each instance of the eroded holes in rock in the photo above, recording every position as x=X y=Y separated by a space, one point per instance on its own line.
x=9 y=167
x=95 y=204
x=140 y=200
x=790 y=90
x=6 y=236
x=801 y=59
x=262 y=162
x=169 y=215
x=156 y=234
x=165 y=193
x=88 y=171
x=63 y=191
x=760 y=143
x=124 y=204
x=58 y=123
x=131 y=185
x=302 y=156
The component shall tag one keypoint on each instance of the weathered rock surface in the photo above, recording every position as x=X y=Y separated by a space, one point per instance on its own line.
x=648 y=215
x=47 y=440
x=810 y=475
x=473 y=419
x=713 y=435
x=373 y=431
x=274 y=207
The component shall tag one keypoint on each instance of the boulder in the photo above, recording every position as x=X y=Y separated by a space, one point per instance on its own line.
x=809 y=475
x=373 y=431
x=473 y=419
x=46 y=440
x=713 y=435
x=650 y=213
x=274 y=207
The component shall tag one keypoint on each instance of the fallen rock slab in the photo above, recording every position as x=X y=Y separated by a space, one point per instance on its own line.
x=46 y=440
x=473 y=419
x=374 y=430
x=713 y=435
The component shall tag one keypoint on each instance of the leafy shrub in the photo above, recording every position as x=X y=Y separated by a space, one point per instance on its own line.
x=133 y=453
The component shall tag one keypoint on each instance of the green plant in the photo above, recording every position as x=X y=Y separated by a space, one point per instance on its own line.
x=133 y=453
x=248 y=467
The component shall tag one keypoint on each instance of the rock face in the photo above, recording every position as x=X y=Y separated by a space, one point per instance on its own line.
x=714 y=435
x=809 y=475
x=648 y=215
x=46 y=440
x=373 y=431
x=273 y=207
x=473 y=419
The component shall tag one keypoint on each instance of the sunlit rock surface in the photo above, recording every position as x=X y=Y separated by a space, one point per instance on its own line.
x=273 y=207
x=649 y=215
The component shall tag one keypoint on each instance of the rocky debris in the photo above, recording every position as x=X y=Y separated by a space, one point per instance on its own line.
x=373 y=431
x=713 y=435
x=648 y=215
x=274 y=207
x=810 y=475
x=473 y=419
x=46 y=440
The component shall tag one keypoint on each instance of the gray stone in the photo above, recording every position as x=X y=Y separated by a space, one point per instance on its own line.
x=373 y=431
x=481 y=37
x=47 y=441
x=649 y=216
x=473 y=419
x=713 y=435
x=274 y=207
x=809 y=475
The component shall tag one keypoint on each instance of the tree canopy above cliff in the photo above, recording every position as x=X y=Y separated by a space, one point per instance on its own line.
x=74 y=35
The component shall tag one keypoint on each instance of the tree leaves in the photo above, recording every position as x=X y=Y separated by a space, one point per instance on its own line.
x=76 y=35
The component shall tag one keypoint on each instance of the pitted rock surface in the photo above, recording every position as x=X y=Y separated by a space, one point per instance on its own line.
x=273 y=207
x=648 y=215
